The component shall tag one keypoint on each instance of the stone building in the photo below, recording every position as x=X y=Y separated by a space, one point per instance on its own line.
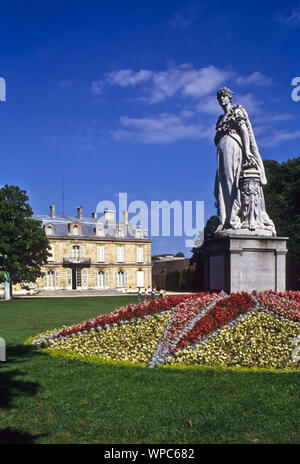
x=95 y=253
x=172 y=273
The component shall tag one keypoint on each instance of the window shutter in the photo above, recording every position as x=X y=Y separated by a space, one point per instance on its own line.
x=82 y=252
x=125 y=279
x=96 y=280
x=45 y=280
x=84 y=278
x=116 y=279
x=106 y=279
x=56 y=279
x=69 y=278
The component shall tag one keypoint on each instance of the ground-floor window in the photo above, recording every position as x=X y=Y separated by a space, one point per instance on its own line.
x=101 y=279
x=77 y=279
x=121 y=279
x=51 y=280
x=140 y=279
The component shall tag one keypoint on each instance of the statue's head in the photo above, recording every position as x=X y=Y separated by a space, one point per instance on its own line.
x=224 y=92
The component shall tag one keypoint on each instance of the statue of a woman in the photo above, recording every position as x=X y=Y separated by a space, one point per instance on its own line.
x=240 y=175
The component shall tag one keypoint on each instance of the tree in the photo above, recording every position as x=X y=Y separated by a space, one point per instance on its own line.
x=282 y=194
x=197 y=252
x=179 y=255
x=23 y=243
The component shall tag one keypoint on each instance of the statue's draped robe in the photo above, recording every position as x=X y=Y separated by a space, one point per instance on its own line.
x=230 y=160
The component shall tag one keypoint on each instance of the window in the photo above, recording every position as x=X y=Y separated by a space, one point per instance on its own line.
x=139 y=233
x=76 y=253
x=100 y=254
x=69 y=279
x=121 y=279
x=120 y=254
x=78 y=278
x=99 y=231
x=51 y=280
x=75 y=230
x=49 y=229
x=140 y=254
x=140 y=279
x=84 y=278
x=119 y=232
x=101 y=279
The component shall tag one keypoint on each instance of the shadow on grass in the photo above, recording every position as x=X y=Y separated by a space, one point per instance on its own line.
x=11 y=383
x=11 y=436
x=19 y=353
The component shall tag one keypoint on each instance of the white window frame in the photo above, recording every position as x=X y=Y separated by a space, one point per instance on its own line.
x=120 y=254
x=121 y=279
x=139 y=254
x=140 y=279
x=100 y=254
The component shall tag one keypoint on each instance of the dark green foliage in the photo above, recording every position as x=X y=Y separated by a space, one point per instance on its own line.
x=179 y=255
x=172 y=280
x=282 y=195
x=23 y=244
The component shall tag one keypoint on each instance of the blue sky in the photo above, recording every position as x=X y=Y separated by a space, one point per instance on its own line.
x=120 y=96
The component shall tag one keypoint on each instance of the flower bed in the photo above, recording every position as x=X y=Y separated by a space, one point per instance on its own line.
x=128 y=313
x=223 y=312
x=284 y=304
x=259 y=340
x=186 y=311
x=212 y=329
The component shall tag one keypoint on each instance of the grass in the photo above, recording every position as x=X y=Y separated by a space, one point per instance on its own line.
x=47 y=399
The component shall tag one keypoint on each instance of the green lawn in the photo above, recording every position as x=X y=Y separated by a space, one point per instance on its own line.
x=45 y=399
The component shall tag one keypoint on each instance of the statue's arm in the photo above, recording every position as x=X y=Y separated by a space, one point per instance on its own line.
x=246 y=142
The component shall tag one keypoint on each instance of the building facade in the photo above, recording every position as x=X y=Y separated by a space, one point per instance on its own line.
x=95 y=253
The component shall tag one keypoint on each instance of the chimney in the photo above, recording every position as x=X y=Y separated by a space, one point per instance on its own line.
x=109 y=216
x=94 y=215
x=125 y=217
x=79 y=212
x=52 y=211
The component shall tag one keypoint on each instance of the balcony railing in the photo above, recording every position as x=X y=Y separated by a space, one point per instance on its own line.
x=85 y=261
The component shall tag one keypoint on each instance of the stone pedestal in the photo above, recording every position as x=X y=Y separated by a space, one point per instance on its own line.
x=243 y=262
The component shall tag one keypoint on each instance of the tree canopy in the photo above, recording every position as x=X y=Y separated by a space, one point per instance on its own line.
x=282 y=195
x=23 y=243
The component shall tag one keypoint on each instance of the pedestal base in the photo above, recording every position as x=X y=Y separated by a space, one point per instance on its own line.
x=243 y=263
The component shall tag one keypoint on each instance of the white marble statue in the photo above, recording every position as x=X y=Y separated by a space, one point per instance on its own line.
x=240 y=175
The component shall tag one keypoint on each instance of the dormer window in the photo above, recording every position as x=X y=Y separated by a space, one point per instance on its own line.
x=139 y=233
x=99 y=231
x=119 y=232
x=75 y=228
x=49 y=229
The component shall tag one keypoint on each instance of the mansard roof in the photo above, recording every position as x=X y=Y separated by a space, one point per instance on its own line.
x=88 y=225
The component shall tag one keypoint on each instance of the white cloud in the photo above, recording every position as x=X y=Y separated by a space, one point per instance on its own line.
x=290 y=18
x=256 y=78
x=164 y=128
x=127 y=77
x=278 y=137
x=183 y=80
